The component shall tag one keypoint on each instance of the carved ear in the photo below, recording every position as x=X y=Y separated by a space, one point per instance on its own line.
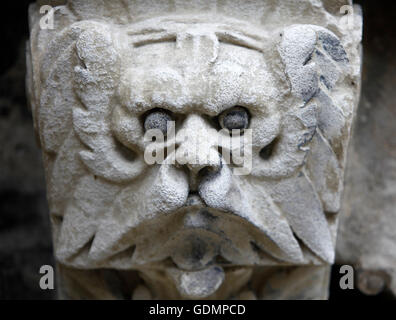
x=315 y=63
x=95 y=82
x=313 y=57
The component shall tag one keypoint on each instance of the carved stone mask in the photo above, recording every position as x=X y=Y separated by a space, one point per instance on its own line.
x=104 y=77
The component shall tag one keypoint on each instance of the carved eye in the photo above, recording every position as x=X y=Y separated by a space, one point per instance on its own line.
x=234 y=118
x=157 y=119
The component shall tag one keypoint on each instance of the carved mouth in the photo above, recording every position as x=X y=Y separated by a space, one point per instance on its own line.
x=190 y=238
x=200 y=237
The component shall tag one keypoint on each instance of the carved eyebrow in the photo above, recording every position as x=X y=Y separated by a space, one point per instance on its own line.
x=144 y=31
x=241 y=38
x=146 y=37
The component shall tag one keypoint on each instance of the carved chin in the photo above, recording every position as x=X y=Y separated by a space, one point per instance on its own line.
x=205 y=237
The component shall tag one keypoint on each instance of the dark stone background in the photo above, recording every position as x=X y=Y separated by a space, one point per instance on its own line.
x=25 y=240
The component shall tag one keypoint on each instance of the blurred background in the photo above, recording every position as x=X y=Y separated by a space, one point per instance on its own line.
x=25 y=240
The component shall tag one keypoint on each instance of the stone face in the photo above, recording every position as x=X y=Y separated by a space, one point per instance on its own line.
x=200 y=224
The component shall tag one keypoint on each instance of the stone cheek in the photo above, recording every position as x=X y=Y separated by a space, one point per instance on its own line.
x=192 y=226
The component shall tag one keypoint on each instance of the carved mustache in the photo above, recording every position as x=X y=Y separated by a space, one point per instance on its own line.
x=148 y=221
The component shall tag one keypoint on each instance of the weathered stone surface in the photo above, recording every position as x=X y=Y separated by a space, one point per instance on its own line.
x=96 y=83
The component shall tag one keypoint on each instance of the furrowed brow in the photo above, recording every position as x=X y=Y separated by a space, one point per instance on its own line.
x=149 y=36
x=224 y=34
x=239 y=39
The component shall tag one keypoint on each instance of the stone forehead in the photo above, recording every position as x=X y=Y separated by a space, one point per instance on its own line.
x=193 y=58
x=198 y=73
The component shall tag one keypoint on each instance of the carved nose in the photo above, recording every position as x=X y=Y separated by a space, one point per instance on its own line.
x=198 y=150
